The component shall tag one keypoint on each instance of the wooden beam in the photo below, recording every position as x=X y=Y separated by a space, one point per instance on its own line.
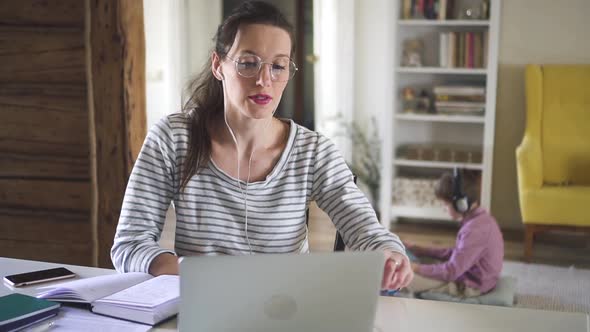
x=117 y=74
x=42 y=12
x=42 y=55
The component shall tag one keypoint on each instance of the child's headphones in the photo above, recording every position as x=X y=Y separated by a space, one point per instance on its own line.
x=460 y=200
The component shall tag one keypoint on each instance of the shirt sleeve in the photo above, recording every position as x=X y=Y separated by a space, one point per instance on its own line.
x=336 y=194
x=148 y=196
x=438 y=253
x=470 y=246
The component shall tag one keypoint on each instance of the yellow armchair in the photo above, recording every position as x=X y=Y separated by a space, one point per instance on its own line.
x=553 y=159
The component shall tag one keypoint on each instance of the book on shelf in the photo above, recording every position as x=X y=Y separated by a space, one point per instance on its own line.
x=459 y=90
x=460 y=104
x=456 y=99
x=137 y=297
x=18 y=311
x=463 y=49
x=427 y=9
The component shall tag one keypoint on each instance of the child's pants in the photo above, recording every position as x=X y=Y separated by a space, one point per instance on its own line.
x=458 y=289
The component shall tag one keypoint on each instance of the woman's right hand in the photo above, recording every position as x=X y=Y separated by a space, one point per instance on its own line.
x=165 y=263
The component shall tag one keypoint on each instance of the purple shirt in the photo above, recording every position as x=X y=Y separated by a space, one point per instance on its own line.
x=476 y=259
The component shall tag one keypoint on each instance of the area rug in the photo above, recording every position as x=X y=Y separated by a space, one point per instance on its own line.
x=549 y=287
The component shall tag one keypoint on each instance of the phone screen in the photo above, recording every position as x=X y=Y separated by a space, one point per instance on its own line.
x=39 y=276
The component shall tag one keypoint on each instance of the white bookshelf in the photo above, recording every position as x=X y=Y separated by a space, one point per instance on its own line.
x=441 y=118
x=438 y=70
x=452 y=23
x=435 y=164
x=434 y=213
x=418 y=128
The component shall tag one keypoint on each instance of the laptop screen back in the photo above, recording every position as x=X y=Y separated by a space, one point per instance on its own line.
x=310 y=292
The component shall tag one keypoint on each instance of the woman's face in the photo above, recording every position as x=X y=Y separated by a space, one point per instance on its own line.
x=254 y=97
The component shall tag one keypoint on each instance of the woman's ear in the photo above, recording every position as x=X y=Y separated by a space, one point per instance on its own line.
x=216 y=66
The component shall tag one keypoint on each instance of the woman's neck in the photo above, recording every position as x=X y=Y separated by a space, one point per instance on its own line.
x=250 y=134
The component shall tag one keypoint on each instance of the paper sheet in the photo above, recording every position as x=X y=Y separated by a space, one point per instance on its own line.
x=76 y=320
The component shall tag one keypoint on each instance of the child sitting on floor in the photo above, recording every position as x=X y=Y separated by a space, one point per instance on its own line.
x=473 y=266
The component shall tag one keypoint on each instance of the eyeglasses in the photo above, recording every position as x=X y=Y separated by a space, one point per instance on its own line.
x=282 y=68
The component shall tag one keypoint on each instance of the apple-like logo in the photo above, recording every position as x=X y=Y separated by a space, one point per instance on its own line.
x=280 y=307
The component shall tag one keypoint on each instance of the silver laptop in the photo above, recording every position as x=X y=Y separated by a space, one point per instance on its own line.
x=327 y=292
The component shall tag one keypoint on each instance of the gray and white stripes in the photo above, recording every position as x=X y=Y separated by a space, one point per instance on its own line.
x=210 y=210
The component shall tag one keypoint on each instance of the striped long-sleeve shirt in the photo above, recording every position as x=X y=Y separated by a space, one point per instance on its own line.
x=210 y=210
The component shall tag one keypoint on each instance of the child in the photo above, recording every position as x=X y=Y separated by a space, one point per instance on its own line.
x=473 y=266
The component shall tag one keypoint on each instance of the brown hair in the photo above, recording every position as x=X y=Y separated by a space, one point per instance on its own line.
x=205 y=103
x=444 y=188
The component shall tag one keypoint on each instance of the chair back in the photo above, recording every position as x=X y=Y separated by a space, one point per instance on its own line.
x=563 y=95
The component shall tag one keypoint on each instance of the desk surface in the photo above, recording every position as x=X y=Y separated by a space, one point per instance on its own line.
x=393 y=314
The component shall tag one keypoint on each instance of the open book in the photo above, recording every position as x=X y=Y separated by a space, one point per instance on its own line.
x=137 y=297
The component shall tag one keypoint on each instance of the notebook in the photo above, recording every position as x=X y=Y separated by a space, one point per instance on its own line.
x=137 y=297
x=327 y=292
x=18 y=311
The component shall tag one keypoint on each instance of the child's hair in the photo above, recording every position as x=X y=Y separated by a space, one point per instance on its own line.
x=444 y=188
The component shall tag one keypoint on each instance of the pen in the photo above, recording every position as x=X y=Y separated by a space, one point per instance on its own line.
x=42 y=326
x=388 y=292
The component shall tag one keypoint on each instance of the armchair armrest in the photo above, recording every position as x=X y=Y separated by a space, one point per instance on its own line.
x=529 y=164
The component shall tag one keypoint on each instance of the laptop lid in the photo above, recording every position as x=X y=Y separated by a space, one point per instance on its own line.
x=321 y=292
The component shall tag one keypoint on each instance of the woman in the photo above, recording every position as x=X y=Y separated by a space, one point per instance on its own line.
x=240 y=179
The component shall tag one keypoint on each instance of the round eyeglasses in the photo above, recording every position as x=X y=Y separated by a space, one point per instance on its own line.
x=282 y=68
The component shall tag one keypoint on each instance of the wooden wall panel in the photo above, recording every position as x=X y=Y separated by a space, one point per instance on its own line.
x=35 y=166
x=44 y=226
x=42 y=12
x=44 y=132
x=65 y=253
x=33 y=54
x=45 y=194
x=65 y=156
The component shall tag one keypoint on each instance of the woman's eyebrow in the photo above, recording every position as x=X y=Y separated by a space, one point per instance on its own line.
x=254 y=53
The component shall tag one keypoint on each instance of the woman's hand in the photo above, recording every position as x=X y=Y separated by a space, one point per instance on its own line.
x=164 y=264
x=397 y=272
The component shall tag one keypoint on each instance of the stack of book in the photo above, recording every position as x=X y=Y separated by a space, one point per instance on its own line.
x=463 y=100
x=463 y=49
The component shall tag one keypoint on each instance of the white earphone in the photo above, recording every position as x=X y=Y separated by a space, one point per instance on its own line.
x=219 y=74
x=245 y=192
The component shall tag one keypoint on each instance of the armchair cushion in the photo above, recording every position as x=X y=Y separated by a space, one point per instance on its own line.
x=557 y=205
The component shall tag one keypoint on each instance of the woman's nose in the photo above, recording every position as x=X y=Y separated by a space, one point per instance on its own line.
x=264 y=75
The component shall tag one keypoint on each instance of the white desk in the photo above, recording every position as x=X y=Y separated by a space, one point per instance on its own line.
x=393 y=314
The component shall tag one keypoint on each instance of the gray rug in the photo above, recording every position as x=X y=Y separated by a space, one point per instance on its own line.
x=550 y=287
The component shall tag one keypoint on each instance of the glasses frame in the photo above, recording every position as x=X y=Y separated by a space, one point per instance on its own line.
x=260 y=64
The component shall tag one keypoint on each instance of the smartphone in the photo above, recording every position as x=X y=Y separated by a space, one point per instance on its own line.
x=36 y=277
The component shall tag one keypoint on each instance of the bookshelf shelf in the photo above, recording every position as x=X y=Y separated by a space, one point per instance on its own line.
x=436 y=164
x=419 y=212
x=451 y=80
x=441 y=118
x=451 y=23
x=440 y=70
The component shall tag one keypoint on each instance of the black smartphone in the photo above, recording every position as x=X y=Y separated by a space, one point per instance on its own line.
x=36 y=277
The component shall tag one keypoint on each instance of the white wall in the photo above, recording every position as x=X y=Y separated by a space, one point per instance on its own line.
x=178 y=40
x=159 y=62
x=531 y=31
x=334 y=26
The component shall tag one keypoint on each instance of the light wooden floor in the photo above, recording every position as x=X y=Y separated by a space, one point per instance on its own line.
x=561 y=249
x=553 y=249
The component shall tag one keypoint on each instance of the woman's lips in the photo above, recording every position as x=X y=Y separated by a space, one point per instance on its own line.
x=261 y=99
